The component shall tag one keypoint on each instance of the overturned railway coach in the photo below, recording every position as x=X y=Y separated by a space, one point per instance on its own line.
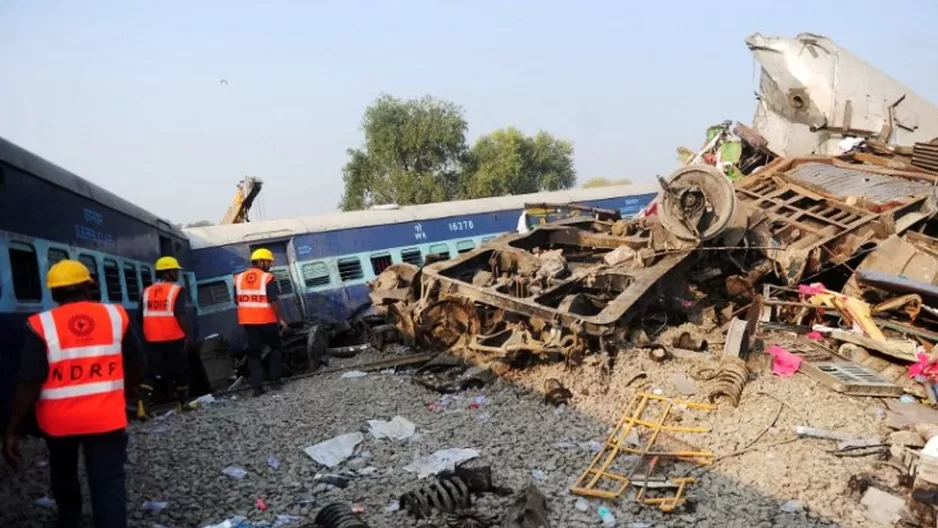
x=48 y=214
x=323 y=263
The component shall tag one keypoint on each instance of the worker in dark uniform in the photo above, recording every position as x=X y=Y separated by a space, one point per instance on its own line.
x=167 y=338
x=76 y=362
x=256 y=296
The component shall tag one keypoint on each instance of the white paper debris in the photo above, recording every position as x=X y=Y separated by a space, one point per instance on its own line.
x=273 y=462
x=333 y=452
x=204 y=400
x=352 y=374
x=792 y=506
x=398 y=428
x=440 y=461
x=154 y=506
x=235 y=472
x=233 y=522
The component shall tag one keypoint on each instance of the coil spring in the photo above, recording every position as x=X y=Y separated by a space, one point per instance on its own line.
x=469 y=519
x=729 y=381
x=446 y=494
x=338 y=515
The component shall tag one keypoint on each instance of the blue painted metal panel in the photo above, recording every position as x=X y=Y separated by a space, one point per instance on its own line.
x=36 y=208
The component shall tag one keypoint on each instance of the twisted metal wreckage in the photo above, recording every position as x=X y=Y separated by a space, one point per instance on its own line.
x=585 y=284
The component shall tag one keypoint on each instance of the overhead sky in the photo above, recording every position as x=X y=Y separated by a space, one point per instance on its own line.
x=128 y=94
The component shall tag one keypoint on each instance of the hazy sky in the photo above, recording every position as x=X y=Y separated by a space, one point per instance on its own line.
x=127 y=93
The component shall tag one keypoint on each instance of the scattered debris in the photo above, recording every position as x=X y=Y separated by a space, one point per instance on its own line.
x=555 y=393
x=398 y=428
x=529 y=510
x=333 y=452
x=440 y=461
x=235 y=472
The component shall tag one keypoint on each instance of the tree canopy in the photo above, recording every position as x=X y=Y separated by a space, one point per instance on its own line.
x=605 y=182
x=415 y=152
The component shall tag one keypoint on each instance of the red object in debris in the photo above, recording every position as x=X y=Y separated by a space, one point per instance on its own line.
x=261 y=505
x=710 y=159
x=816 y=336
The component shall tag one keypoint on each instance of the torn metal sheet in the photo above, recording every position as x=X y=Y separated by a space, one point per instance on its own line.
x=813 y=93
x=901 y=264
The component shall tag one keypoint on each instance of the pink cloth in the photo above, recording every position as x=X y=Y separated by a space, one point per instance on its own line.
x=784 y=363
x=816 y=336
x=811 y=289
x=925 y=367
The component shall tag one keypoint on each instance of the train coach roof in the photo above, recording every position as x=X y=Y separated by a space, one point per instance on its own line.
x=222 y=235
x=26 y=161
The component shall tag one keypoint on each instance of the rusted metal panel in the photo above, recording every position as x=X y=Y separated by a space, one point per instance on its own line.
x=913 y=256
x=848 y=183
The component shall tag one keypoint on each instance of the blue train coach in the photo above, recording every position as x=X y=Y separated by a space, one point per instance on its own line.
x=324 y=262
x=48 y=214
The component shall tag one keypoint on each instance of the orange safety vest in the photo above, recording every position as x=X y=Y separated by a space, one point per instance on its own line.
x=84 y=391
x=159 y=313
x=251 y=291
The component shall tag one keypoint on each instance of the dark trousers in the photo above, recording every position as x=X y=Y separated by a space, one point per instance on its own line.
x=104 y=459
x=259 y=336
x=167 y=362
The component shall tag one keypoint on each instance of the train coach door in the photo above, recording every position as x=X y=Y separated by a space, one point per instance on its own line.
x=289 y=298
x=294 y=268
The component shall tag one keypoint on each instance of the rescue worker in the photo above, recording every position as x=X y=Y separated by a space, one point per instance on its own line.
x=256 y=296
x=77 y=360
x=167 y=338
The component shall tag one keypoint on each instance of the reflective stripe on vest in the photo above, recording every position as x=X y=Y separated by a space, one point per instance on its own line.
x=159 y=313
x=253 y=306
x=84 y=390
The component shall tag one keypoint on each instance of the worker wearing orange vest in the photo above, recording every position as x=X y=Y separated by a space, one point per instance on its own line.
x=76 y=362
x=256 y=296
x=166 y=337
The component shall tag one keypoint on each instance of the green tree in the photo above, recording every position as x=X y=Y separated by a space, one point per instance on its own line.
x=412 y=154
x=605 y=182
x=508 y=162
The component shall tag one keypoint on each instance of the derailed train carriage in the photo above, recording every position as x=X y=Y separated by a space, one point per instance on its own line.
x=323 y=264
x=48 y=214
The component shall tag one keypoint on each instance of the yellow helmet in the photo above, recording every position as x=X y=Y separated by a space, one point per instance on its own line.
x=167 y=263
x=262 y=254
x=67 y=273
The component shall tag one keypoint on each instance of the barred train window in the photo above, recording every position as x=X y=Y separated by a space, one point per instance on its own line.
x=315 y=274
x=112 y=281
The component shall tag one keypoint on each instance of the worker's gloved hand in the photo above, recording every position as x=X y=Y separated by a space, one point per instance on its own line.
x=11 y=450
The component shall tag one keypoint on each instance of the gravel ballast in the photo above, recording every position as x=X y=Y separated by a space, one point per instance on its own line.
x=180 y=459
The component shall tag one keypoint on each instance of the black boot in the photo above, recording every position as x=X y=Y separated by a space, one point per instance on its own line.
x=144 y=400
x=181 y=397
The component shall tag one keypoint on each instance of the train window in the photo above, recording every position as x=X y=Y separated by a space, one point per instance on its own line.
x=133 y=286
x=146 y=276
x=315 y=274
x=27 y=281
x=465 y=246
x=440 y=249
x=92 y=266
x=380 y=262
x=55 y=255
x=284 y=282
x=112 y=281
x=412 y=256
x=213 y=294
x=350 y=269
